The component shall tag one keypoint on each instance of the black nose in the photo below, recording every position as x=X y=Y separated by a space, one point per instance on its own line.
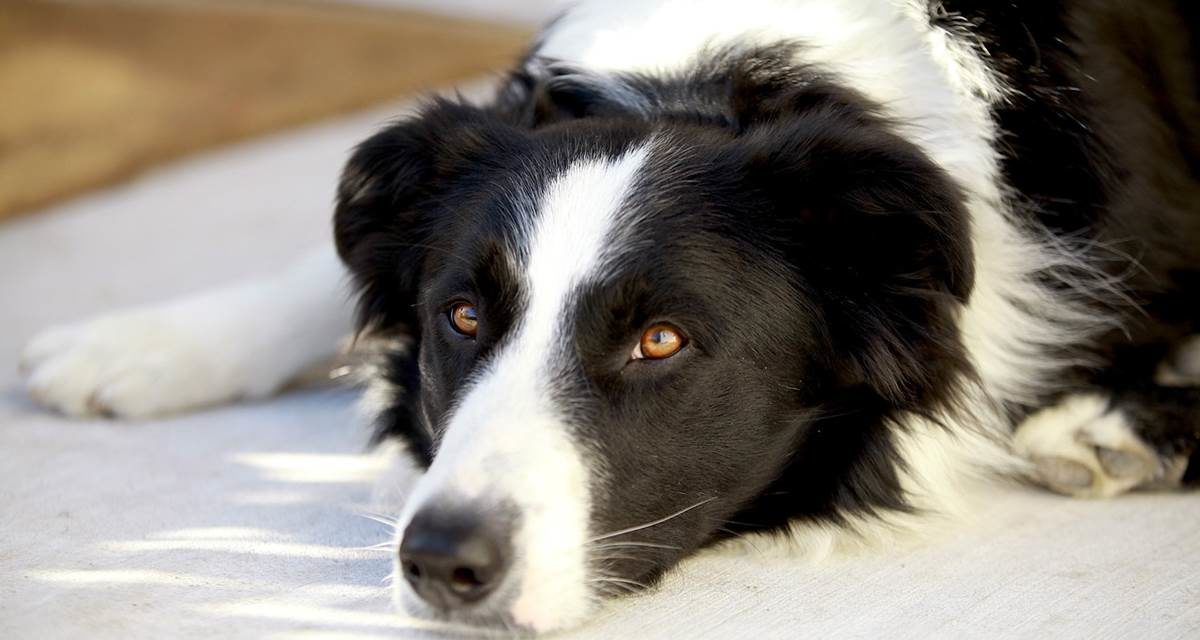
x=453 y=558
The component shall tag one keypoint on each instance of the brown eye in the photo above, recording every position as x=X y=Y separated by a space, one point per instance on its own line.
x=465 y=319
x=658 y=342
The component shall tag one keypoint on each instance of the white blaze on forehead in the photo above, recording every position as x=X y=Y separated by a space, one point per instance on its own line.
x=580 y=214
x=508 y=441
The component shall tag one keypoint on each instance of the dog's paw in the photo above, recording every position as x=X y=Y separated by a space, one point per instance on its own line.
x=134 y=364
x=1084 y=447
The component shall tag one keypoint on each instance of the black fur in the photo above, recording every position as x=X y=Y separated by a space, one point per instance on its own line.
x=1102 y=145
x=1102 y=141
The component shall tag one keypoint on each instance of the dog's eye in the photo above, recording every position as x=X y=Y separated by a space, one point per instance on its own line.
x=465 y=319
x=658 y=342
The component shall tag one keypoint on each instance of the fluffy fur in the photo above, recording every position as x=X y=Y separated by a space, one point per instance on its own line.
x=895 y=233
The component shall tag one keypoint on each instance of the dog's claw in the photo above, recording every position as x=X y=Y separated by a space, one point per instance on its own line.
x=1125 y=464
x=1063 y=475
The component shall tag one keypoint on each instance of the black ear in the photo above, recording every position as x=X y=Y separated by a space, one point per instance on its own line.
x=568 y=93
x=544 y=92
x=880 y=237
x=387 y=204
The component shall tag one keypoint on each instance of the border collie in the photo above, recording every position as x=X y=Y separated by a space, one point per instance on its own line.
x=705 y=269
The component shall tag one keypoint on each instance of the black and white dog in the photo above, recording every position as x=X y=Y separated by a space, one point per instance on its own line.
x=702 y=269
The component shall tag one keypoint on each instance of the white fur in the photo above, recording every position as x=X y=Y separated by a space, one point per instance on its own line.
x=244 y=341
x=509 y=441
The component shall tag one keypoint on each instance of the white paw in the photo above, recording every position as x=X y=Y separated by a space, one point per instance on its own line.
x=134 y=364
x=1082 y=447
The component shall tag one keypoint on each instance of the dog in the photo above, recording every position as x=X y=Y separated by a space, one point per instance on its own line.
x=700 y=270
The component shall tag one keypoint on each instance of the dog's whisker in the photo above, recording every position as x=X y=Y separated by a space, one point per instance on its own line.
x=614 y=580
x=618 y=586
x=376 y=514
x=640 y=527
x=378 y=517
x=634 y=543
x=632 y=558
x=385 y=546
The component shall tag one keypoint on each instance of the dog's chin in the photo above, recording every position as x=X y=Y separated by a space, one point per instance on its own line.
x=510 y=612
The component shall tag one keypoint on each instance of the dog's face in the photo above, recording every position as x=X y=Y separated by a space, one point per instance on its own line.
x=627 y=337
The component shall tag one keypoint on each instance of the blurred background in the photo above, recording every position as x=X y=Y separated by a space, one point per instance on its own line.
x=97 y=91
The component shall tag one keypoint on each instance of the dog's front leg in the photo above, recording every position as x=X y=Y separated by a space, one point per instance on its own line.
x=240 y=341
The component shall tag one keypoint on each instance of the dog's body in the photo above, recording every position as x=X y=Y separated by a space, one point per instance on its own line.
x=702 y=270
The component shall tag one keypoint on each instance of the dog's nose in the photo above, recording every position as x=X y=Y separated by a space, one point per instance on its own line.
x=453 y=558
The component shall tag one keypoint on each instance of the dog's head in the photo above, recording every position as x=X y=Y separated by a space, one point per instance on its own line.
x=633 y=334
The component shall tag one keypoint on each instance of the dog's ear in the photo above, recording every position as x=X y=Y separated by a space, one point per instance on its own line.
x=544 y=92
x=389 y=201
x=879 y=236
x=569 y=93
